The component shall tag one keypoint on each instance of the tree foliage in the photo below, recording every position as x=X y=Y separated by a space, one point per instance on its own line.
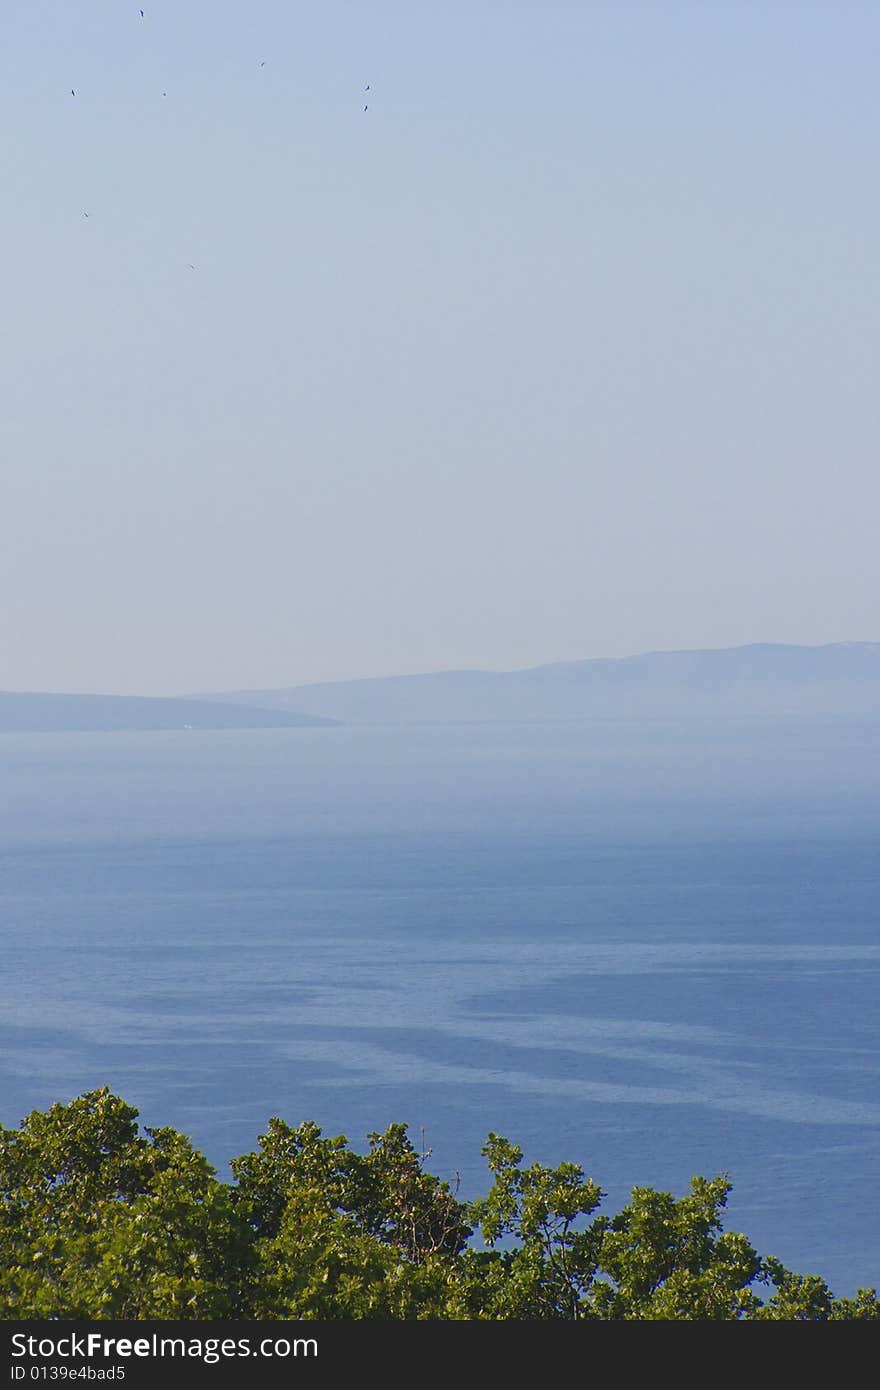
x=101 y=1221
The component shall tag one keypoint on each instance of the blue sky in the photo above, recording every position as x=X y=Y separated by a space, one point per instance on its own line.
x=565 y=347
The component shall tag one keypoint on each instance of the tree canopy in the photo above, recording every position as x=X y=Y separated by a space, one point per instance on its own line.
x=100 y=1220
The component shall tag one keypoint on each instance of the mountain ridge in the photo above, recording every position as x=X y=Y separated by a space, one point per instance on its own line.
x=44 y=712
x=762 y=678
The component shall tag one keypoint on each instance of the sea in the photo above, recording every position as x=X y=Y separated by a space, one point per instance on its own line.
x=648 y=948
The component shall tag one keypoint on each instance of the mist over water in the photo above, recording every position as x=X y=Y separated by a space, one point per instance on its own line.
x=650 y=948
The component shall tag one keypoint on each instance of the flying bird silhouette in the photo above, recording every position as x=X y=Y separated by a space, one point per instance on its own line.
x=72 y=92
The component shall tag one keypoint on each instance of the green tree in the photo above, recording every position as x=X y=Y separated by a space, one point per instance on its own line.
x=548 y=1259
x=668 y=1258
x=99 y=1220
x=339 y=1234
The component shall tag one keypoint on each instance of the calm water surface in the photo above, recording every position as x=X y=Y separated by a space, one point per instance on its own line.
x=651 y=950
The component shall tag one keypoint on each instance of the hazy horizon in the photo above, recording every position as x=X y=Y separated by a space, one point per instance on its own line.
x=561 y=349
x=243 y=689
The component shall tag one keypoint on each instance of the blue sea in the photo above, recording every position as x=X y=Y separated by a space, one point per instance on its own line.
x=651 y=949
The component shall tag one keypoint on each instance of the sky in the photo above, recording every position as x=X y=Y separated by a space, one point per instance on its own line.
x=564 y=347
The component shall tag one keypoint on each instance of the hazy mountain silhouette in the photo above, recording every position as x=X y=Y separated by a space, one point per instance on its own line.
x=839 y=680
x=38 y=712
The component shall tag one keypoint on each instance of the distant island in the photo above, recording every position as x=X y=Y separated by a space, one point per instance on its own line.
x=45 y=713
x=837 y=681
x=764 y=679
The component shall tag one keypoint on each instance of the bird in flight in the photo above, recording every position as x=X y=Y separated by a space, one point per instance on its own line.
x=85 y=214
x=142 y=14
x=263 y=64
x=72 y=92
